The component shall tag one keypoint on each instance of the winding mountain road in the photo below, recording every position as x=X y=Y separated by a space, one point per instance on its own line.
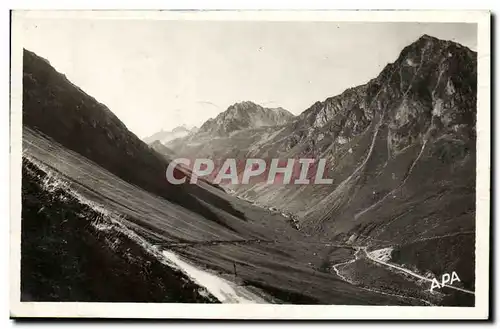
x=407 y=271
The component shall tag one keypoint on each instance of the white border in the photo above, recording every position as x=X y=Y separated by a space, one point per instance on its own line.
x=157 y=310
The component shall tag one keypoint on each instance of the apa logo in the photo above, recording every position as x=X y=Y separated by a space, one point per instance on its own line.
x=445 y=278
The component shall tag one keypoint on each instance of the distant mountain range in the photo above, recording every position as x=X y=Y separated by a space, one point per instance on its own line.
x=245 y=115
x=164 y=136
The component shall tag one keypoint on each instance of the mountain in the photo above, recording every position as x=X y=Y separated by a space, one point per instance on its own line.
x=425 y=97
x=400 y=150
x=245 y=115
x=166 y=136
x=98 y=214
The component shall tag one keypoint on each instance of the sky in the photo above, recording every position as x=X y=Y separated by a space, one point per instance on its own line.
x=161 y=74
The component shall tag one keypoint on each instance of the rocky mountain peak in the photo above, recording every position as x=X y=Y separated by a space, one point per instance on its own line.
x=165 y=136
x=183 y=128
x=430 y=89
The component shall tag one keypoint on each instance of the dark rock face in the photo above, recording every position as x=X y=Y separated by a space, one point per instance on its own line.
x=245 y=115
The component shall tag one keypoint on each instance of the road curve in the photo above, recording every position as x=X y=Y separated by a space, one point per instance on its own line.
x=410 y=272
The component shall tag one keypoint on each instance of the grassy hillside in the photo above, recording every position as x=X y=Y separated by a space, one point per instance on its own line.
x=63 y=112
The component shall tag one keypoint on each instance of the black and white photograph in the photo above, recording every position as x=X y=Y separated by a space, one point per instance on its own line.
x=301 y=163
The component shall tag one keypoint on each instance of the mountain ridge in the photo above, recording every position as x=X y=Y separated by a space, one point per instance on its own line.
x=57 y=108
x=245 y=115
